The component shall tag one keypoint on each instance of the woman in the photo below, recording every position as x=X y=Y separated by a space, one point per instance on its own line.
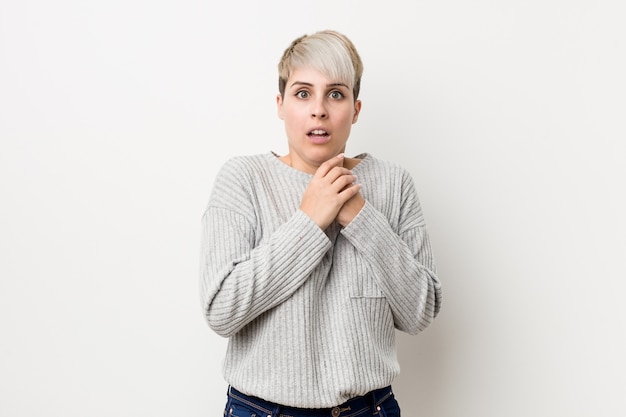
x=311 y=260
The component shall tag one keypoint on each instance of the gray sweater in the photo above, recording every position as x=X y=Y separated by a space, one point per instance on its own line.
x=311 y=314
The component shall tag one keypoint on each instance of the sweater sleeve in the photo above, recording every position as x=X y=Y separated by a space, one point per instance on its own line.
x=241 y=279
x=401 y=261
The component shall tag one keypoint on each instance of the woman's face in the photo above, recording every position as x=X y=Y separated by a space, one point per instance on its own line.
x=318 y=113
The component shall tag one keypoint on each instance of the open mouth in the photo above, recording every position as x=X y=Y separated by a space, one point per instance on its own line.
x=317 y=133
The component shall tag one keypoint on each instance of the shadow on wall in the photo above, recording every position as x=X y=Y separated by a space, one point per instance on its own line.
x=420 y=386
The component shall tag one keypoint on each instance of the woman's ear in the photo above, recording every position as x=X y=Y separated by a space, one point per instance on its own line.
x=279 y=106
x=357 y=110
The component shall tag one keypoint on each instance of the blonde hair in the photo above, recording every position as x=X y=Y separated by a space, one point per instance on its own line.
x=329 y=52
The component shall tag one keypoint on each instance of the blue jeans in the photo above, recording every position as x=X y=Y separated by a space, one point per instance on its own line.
x=378 y=403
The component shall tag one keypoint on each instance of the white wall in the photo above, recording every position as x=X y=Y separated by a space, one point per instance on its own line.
x=115 y=116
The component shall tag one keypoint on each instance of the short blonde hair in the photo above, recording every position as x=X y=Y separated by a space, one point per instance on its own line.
x=329 y=52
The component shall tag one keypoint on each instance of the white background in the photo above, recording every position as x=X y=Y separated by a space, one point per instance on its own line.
x=115 y=116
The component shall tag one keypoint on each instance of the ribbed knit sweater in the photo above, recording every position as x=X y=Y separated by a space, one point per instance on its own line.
x=311 y=314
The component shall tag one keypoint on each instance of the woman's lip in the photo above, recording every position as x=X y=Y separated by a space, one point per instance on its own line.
x=318 y=139
x=318 y=130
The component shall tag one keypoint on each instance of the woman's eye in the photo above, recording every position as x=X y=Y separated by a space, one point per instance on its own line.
x=336 y=95
x=302 y=94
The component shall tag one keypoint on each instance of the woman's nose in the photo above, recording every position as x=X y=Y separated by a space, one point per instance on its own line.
x=318 y=109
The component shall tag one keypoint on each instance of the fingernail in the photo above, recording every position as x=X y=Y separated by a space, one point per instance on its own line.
x=340 y=155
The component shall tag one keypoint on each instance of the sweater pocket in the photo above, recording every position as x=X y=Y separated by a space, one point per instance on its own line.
x=364 y=286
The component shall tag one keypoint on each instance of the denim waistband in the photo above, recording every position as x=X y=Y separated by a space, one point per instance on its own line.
x=352 y=407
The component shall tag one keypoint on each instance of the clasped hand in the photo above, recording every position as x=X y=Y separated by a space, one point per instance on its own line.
x=332 y=194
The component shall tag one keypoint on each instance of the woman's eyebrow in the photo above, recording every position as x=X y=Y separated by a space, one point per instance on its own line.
x=301 y=83
x=337 y=85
